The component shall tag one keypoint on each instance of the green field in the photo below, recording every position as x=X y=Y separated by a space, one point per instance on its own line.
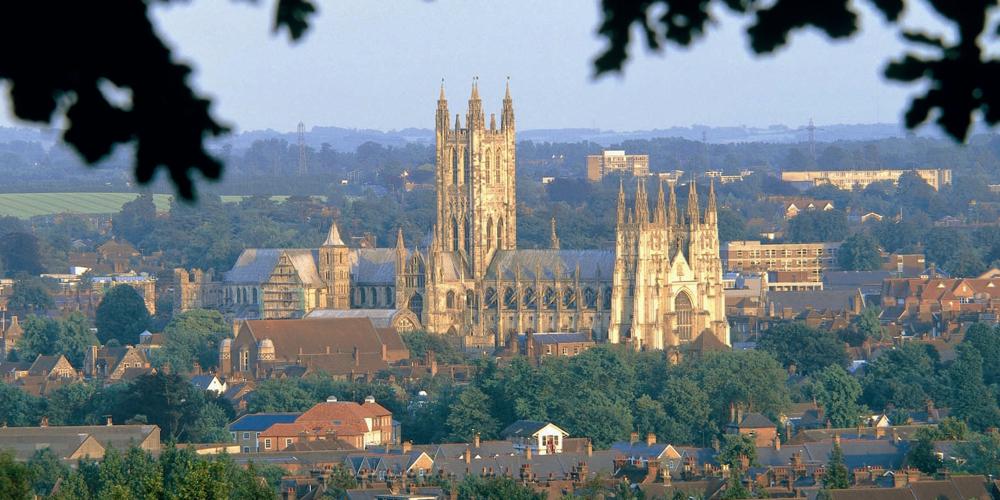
x=26 y=205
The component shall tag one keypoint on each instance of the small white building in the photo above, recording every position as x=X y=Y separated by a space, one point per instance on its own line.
x=543 y=438
x=209 y=383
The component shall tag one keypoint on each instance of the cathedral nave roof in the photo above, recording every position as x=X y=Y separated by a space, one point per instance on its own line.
x=552 y=263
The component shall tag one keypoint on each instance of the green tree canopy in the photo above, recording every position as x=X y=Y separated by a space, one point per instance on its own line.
x=838 y=393
x=808 y=349
x=469 y=415
x=30 y=296
x=971 y=399
x=15 y=478
x=121 y=315
x=734 y=449
x=836 y=477
x=192 y=336
x=859 y=252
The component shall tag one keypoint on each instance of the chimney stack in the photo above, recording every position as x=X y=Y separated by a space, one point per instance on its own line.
x=650 y=439
x=475 y=440
x=590 y=448
x=357 y=356
x=44 y=422
x=527 y=452
x=407 y=447
x=633 y=438
x=108 y=421
x=468 y=456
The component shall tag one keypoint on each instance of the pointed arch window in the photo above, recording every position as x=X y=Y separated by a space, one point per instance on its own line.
x=509 y=298
x=607 y=297
x=529 y=298
x=683 y=308
x=450 y=300
x=456 y=162
x=489 y=233
x=487 y=164
x=490 y=299
x=550 y=299
x=498 y=165
x=590 y=298
x=569 y=298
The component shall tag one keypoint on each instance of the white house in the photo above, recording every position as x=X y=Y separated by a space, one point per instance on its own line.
x=543 y=438
x=209 y=383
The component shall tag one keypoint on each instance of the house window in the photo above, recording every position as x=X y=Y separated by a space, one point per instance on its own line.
x=288 y=442
x=234 y=435
x=267 y=443
x=246 y=435
x=246 y=449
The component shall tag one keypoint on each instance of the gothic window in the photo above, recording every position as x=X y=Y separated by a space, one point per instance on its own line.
x=590 y=298
x=455 y=165
x=498 y=162
x=549 y=299
x=416 y=304
x=364 y=296
x=455 y=239
x=489 y=233
x=372 y=296
x=254 y=296
x=450 y=300
x=486 y=166
x=569 y=298
x=390 y=297
x=529 y=298
x=244 y=360
x=682 y=306
x=510 y=299
x=491 y=298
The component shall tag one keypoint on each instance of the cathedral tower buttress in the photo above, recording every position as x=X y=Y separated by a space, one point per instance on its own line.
x=476 y=203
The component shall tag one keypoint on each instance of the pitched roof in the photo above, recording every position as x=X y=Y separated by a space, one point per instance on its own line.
x=381 y=318
x=261 y=421
x=315 y=336
x=44 y=365
x=523 y=428
x=593 y=264
x=343 y=411
x=373 y=265
x=812 y=299
x=65 y=439
x=333 y=237
x=756 y=421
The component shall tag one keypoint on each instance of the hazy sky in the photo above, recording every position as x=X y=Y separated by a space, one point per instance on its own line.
x=378 y=64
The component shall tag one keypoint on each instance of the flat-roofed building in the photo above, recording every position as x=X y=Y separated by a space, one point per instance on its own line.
x=616 y=162
x=848 y=179
x=754 y=256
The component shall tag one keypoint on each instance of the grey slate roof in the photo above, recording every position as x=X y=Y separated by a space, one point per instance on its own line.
x=523 y=428
x=381 y=318
x=255 y=265
x=373 y=265
x=593 y=263
x=756 y=421
x=815 y=299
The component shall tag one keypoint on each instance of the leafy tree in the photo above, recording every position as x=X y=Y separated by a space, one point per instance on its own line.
x=868 y=324
x=817 y=225
x=20 y=254
x=70 y=404
x=953 y=429
x=170 y=402
x=922 y=454
x=649 y=416
x=40 y=337
x=419 y=342
x=598 y=417
x=981 y=454
x=474 y=487
x=808 y=349
x=904 y=377
x=470 y=414
x=971 y=398
x=945 y=72
x=688 y=409
x=18 y=408
x=15 y=478
x=30 y=296
x=75 y=336
x=121 y=315
x=132 y=222
x=836 y=477
x=838 y=392
x=734 y=449
x=751 y=378
x=46 y=469
x=192 y=336
x=859 y=252
x=986 y=341
x=735 y=489
x=280 y=395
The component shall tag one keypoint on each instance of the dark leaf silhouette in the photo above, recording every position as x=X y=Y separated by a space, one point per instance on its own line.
x=64 y=58
x=958 y=78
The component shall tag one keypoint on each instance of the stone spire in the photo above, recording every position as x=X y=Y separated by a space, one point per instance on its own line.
x=672 y=208
x=694 y=216
x=400 y=245
x=661 y=211
x=507 y=115
x=641 y=203
x=442 y=110
x=476 y=118
x=333 y=237
x=621 y=202
x=554 y=236
x=710 y=211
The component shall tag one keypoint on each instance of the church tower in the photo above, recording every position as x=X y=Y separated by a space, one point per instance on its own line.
x=334 y=269
x=476 y=207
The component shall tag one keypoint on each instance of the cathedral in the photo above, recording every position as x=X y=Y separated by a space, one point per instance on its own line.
x=659 y=288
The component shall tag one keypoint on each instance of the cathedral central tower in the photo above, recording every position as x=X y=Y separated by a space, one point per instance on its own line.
x=476 y=203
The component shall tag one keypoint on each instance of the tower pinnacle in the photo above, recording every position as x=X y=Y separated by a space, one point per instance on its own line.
x=621 y=202
x=711 y=216
x=693 y=213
